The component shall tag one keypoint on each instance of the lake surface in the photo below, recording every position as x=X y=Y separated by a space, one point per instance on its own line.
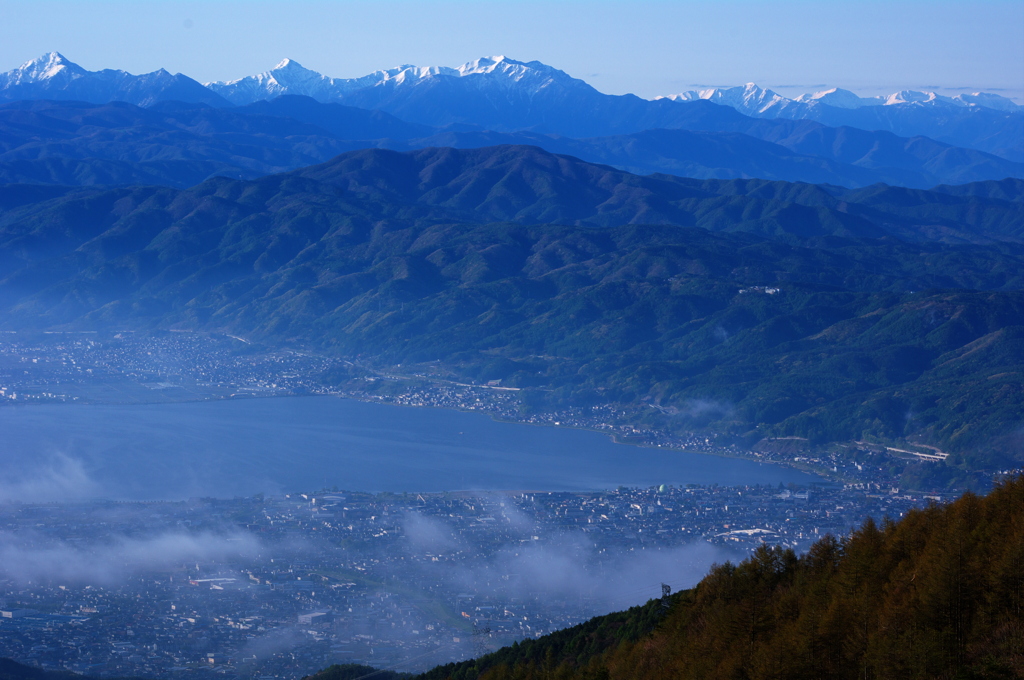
x=280 y=445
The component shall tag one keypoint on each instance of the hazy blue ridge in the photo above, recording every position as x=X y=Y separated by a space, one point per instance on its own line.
x=747 y=306
x=180 y=145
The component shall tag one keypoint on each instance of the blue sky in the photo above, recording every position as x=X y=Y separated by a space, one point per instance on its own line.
x=648 y=48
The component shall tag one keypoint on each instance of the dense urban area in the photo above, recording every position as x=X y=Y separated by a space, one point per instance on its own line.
x=278 y=587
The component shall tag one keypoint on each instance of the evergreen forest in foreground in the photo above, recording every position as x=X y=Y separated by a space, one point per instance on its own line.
x=938 y=594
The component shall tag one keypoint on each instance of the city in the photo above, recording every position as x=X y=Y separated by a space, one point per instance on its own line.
x=279 y=587
x=129 y=367
x=509 y=341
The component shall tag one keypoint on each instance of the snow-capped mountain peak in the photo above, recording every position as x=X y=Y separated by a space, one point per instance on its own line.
x=406 y=73
x=988 y=100
x=755 y=101
x=915 y=97
x=748 y=98
x=837 y=97
x=46 y=67
x=285 y=70
x=482 y=65
x=490 y=81
x=288 y=77
x=532 y=74
x=291 y=77
x=975 y=99
x=54 y=76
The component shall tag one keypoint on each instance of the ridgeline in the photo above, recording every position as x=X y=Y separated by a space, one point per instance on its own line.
x=747 y=308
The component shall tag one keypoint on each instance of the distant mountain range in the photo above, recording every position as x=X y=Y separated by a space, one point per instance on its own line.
x=755 y=101
x=505 y=95
x=176 y=144
x=52 y=76
x=828 y=281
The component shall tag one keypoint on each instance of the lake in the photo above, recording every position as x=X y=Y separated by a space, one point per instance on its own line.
x=280 y=445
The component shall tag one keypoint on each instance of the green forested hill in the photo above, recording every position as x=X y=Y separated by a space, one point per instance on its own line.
x=530 y=186
x=937 y=595
x=12 y=670
x=765 y=309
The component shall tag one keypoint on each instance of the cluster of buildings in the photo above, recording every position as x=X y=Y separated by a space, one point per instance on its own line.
x=278 y=587
x=128 y=367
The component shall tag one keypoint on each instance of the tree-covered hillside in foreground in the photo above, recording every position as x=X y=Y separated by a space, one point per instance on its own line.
x=938 y=595
x=12 y=670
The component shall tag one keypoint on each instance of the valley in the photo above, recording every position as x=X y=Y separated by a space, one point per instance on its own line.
x=490 y=372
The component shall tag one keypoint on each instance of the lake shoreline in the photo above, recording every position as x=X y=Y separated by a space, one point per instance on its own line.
x=241 y=447
x=614 y=437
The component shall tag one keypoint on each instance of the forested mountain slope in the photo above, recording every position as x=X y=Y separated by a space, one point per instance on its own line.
x=938 y=594
x=753 y=309
x=12 y=670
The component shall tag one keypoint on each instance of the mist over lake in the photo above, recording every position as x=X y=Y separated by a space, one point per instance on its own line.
x=279 y=445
